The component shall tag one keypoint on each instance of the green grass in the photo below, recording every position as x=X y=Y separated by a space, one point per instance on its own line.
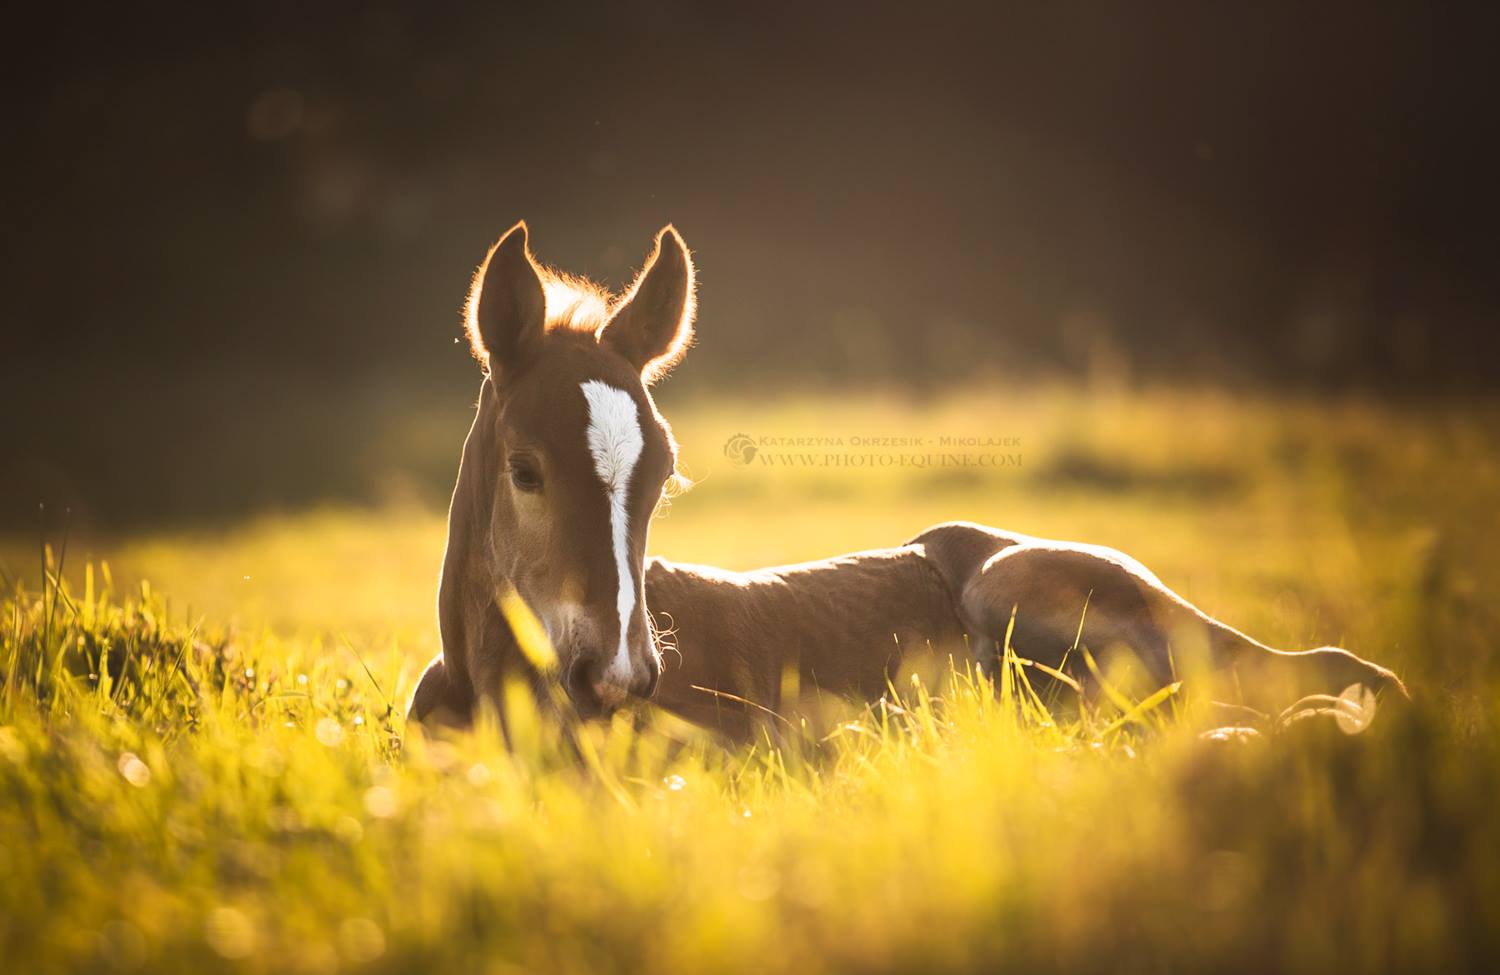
x=224 y=778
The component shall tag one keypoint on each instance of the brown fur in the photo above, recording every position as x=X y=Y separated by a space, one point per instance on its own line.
x=540 y=335
x=842 y=627
x=1065 y=595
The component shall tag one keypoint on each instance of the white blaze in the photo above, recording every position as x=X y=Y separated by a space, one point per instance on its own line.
x=615 y=441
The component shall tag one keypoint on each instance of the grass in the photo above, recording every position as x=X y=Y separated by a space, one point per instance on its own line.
x=223 y=779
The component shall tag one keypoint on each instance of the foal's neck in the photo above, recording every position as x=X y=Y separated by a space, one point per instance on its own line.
x=468 y=615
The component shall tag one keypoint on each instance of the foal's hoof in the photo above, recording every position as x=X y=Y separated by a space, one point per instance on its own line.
x=1231 y=735
x=1352 y=710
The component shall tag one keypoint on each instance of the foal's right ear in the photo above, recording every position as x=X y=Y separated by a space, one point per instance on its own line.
x=652 y=325
x=507 y=309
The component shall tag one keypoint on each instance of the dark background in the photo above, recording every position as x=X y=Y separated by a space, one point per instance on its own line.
x=237 y=237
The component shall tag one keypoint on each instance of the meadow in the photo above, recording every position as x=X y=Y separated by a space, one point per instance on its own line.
x=204 y=763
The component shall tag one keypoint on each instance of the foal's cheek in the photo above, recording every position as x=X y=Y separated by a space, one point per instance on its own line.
x=520 y=533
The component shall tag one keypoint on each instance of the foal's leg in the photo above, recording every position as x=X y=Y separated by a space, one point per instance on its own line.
x=986 y=653
x=437 y=702
x=1064 y=594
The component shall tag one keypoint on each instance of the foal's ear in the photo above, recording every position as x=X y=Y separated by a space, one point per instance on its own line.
x=507 y=309
x=653 y=324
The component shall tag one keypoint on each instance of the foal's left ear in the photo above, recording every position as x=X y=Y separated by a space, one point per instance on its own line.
x=506 y=313
x=653 y=324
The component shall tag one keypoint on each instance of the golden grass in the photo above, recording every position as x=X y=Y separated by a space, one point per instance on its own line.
x=227 y=785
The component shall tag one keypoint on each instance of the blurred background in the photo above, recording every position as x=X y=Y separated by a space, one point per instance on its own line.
x=1221 y=277
x=239 y=235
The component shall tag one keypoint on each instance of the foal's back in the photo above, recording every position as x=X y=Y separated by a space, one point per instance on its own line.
x=844 y=626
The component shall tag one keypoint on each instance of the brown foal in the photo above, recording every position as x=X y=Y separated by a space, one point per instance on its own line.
x=566 y=461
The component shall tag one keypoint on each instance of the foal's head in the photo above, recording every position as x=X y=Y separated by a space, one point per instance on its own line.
x=574 y=454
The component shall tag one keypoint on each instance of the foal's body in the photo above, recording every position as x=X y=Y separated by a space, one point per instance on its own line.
x=566 y=460
x=847 y=626
x=842 y=626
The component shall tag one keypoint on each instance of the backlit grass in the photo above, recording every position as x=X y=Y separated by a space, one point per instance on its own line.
x=221 y=776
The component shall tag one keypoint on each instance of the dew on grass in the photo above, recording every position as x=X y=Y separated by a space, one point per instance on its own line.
x=329 y=732
x=135 y=771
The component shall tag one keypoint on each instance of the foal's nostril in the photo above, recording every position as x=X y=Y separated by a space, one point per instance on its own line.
x=653 y=668
x=582 y=676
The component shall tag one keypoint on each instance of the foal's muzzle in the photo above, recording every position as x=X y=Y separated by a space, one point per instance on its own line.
x=653 y=676
x=594 y=694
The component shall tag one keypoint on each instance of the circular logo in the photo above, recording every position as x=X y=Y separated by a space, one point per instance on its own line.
x=740 y=449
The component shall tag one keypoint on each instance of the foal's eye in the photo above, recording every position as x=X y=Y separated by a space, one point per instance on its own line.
x=525 y=477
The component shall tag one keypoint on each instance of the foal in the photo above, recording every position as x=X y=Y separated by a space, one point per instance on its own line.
x=563 y=467
x=560 y=473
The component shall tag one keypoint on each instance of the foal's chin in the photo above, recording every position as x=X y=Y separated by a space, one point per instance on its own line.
x=590 y=705
x=593 y=699
x=587 y=710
